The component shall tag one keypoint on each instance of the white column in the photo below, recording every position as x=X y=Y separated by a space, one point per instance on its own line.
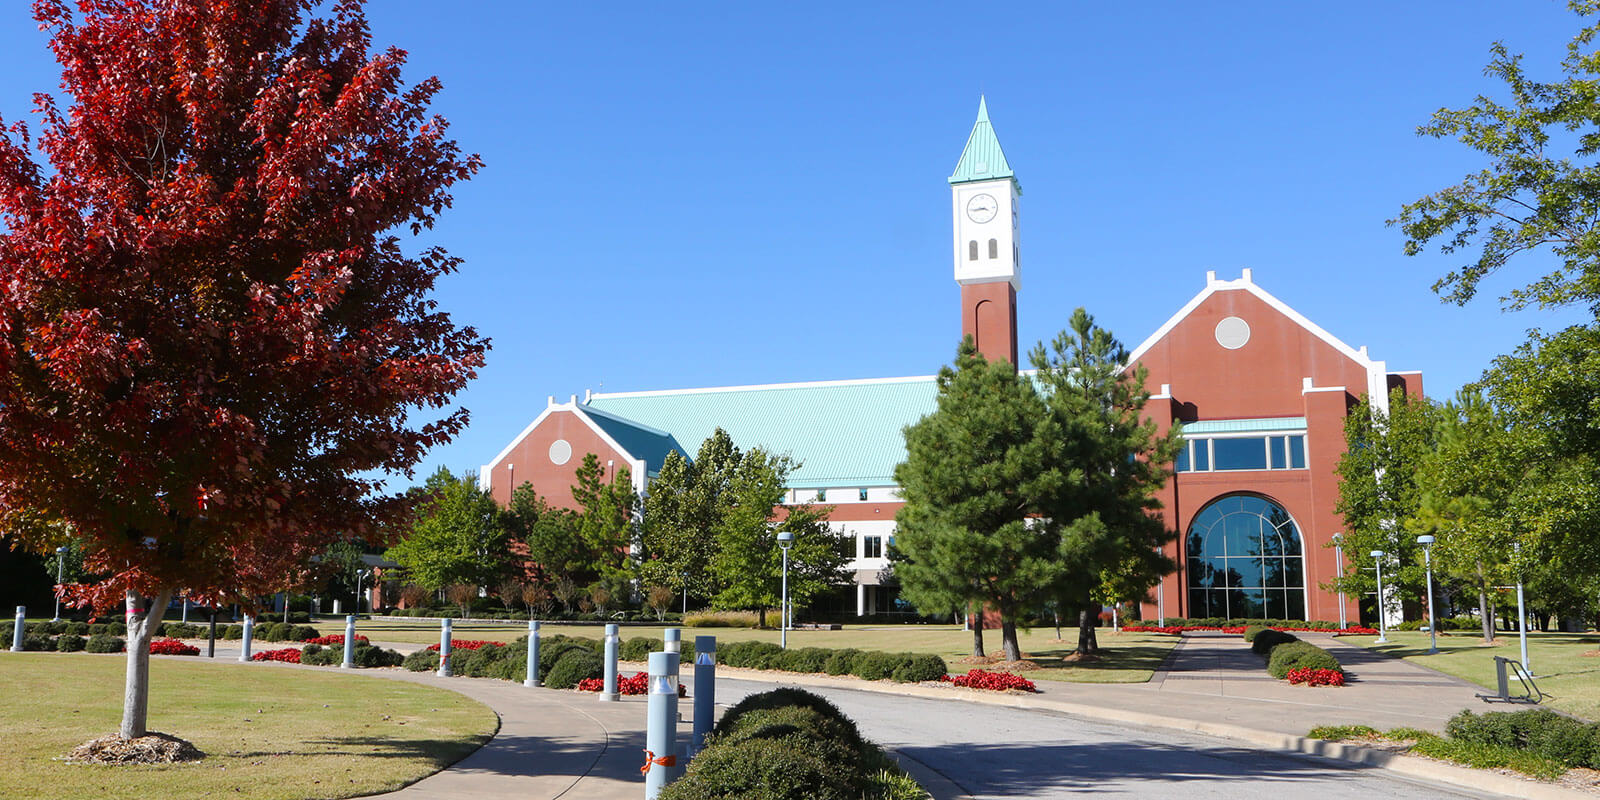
x=861 y=599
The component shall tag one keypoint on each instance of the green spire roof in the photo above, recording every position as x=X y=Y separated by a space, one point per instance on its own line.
x=983 y=159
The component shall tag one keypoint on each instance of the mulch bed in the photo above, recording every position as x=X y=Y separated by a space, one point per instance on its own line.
x=152 y=748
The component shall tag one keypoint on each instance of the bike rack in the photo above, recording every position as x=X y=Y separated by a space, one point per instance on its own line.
x=1504 y=669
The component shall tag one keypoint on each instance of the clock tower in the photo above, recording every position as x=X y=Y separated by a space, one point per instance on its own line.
x=984 y=196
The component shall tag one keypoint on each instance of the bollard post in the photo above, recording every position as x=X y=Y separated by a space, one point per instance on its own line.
x=705 y=691
x=16 y=633
x=249 y=631
x=609 y=693
x=532 y=679
x=661 y=731
x=672 y=639
x=349 y=642
x=444 y=647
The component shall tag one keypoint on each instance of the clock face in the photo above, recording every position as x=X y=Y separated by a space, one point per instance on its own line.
x=982 y=208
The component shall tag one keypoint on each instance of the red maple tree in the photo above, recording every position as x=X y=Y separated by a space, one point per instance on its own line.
x=210 y=337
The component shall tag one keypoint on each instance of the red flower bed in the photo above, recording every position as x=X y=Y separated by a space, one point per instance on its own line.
x=638 y=684
x=336 y=638
x=994 y=681
x=1358 y=631
x=1317 y=677
x=459 y=644
x=172 y=647
x=288 y=655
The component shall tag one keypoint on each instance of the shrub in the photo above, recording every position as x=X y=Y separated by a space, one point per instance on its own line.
x=117 y=628
x=917 y=667
x=69 y=643
x=1299 y=655
x=367 y=656
x=421 y=661
x=778 y=698
x=1266 y=640
x=75 y=628
x=840 y=662
x=721 y=619
x=1544 y=733
x=874 y=665
x=804 y=659
x=1337 y=732
x=268 y=632
x=178 y=630
x=574 y=665
x=557 y=646
x=479 y=662
x=752 y=655
x=1251 y=632
x=104 y=643
x=834 y=737
x=235 y=632
x=784 y=768
x=319 y=656
x=639 y=648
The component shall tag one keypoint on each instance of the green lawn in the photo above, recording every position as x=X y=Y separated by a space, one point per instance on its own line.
x=278 y=733
x=1569 y=678
x=1129 y=657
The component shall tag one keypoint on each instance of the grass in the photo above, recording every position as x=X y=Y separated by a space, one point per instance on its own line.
x=283 y=733
x=1470 y=754
x=1126 y=657
x=1569 y=678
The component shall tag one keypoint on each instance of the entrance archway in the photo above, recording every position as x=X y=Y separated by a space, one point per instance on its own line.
x=1245 y=561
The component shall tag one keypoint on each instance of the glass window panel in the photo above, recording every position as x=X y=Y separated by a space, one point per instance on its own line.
x=1181 y=463
x=1248 y=453
x=1276 y=607
x=1271 y=572
x=1208 y=517
x=1198 y=607
x=1243 y=534
x=1296 y=608
x=1297 y=452
x=1294 y=573
x=1202 y=455
x=1247 y=570
x=1255 y=604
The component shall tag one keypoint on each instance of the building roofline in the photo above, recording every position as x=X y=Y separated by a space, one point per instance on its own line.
x=756 y=387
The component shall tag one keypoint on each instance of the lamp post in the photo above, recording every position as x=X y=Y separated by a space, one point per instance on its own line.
x=361 y=574
x=1338 y=562
x=61 y=555
x=1426 y=540
x=1383 y=625
x=785 y=539
x=1522 y=614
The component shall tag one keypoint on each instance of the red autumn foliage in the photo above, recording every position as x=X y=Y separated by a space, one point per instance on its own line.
x=172 y=647
x=288 y=655
x=210 y=335
x=1317 y=677
x=994 y=681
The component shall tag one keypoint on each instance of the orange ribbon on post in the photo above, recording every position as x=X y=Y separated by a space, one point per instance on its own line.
x=650 y=758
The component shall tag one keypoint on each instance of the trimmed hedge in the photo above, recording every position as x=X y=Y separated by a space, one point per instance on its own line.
x=104 y=643
x=1299 y=655
x=69 y=643
x=422 y=661
x=1571 y=742
x=365 y=656
x=1251 y=632
x=872 y=665
x=1266 y=640
x=574 y=665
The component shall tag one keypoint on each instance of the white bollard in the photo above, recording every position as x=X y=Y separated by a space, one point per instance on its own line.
x=444 y=647
x=531 y=680
x=609 y=692
x=249 y=632
x=349 y=642
x=16 y=633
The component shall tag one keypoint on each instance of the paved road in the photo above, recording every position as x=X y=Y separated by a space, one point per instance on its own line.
x=998 y=752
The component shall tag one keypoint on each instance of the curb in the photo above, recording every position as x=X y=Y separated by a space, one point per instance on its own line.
x=942 y=788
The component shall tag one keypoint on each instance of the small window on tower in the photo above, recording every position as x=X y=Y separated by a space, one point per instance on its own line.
x=972 y=250
x=862 y=494
x=994 y=248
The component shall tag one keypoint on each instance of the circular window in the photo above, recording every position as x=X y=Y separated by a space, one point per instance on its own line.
x=1233 y=333
x=560 y=452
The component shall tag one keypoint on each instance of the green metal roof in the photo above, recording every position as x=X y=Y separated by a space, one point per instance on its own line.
x=982 y=160
x=1245 y=425
x=843 y=433
x=640 y=441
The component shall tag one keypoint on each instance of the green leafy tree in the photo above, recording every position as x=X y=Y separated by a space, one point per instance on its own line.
x=1111 y=462
x=457 y=538
x=1530 y=196
x=605 y=523
x=974 y=470
x=682 y=511
x=1378 y=492
x=747 y=561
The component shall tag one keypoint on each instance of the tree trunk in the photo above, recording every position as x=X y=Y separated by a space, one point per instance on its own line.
x=136 y=690
x=1088 y=617
x=976 y=621
x=1485 y=611
x=1008 y=640
x=1057 y=610
x=761 y=618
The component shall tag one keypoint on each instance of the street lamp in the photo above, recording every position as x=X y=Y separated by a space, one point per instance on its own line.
x=785 y=539
x=1383 y=626
x=1522 y=614
x=360 y=575
x=61 y=555
x=1338 y=560
x=1426 y=540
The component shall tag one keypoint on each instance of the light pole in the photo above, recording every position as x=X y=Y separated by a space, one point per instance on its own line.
x=785 y=539
x=61 y=555
x=361 y=574
x=1338 y=561
x=1426 y=540
x=1522 y=614
x=1383 y=625
x=685 y=577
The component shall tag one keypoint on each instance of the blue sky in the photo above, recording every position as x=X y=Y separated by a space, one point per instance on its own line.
x=735 y=193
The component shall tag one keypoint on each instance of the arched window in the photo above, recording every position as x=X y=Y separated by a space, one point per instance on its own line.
x=972 y=250
x=994 y=248
x=1244 y=561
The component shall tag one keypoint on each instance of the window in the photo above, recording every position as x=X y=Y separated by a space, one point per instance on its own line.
x=972 y=250
x=994 y=248
x=872 y=547
x=1242 y=453
x=1244 y=561
x=822 y=495
x=861 y=494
